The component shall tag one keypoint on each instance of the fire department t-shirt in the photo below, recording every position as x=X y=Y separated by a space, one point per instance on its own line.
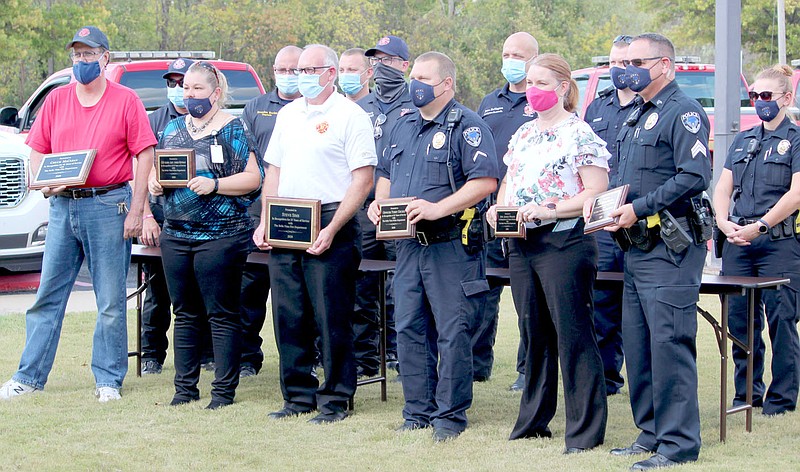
x=117 y=126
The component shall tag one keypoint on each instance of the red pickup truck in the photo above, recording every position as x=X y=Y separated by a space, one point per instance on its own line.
x=694 y=78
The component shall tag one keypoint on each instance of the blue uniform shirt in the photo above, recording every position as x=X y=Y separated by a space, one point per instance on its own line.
x=664 y=155
x=415 y=161
x=760 y=182
x=162 y=116
x=504 y=111
x=607 y=117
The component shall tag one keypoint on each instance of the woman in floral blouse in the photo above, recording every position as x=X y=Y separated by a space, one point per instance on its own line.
x=555 y=163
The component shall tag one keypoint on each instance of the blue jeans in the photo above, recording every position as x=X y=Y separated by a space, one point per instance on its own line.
x=90 y=228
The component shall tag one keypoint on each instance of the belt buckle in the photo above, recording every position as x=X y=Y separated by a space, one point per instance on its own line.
x=422 y=239
x=76 y=194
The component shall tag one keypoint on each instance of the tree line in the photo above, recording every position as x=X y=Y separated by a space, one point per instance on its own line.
x=33 y=33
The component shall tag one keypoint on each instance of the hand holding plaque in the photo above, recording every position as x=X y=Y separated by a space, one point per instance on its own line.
x=394 y=222
x=507 y=225
x=174 y=167
x=602 y=206
x=64 y=168
x=292 y=223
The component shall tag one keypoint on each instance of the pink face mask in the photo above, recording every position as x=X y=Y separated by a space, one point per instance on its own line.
x=541 y=100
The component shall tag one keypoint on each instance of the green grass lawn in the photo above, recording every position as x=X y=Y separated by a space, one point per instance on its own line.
x=65 y=428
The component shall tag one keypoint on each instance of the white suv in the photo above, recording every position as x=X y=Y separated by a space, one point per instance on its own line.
x=23 y=213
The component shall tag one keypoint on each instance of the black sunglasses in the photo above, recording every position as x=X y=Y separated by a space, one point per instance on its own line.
x=766 y=95
x=623 y=38
x=172 y=83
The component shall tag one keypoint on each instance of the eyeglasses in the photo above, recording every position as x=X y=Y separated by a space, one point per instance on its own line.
x=209 y=66
x=308 y=70
x=766 y=95
x=282 y=71
x=623 y=38
x=385 y=60
x=172 y=83
x=86 y=55
x=639 y=62
x=378 y=131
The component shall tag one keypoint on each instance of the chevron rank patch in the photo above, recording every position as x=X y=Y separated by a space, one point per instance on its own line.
x=698 y=148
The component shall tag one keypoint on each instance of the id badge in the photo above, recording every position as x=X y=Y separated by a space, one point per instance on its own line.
x=216 y=154
x=565 y=225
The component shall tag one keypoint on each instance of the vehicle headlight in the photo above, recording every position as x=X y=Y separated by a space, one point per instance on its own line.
x=39 y=235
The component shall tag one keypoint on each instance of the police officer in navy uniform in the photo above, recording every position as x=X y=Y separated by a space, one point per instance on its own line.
x=440 y=283
x=663 y=156
x=762 y=174
x=606 y=115
x=259 y=117
x=156 y=308
x=385 y=104
x=504 y=110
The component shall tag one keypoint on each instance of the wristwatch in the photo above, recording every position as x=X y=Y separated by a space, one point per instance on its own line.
x=763 y=227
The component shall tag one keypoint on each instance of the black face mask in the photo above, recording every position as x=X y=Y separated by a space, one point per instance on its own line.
x=390 y=83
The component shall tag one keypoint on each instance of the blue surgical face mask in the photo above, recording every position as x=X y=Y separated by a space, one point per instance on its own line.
x=514 y=70
x=175 y=95
x=286 y=83
x=351 y=83
x=309 y=86
x=198 y=107
x=421 y=93
x=767 y=111
x=86 y=72
x=619 y=78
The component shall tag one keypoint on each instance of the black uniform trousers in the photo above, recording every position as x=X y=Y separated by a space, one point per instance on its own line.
x=366 y=315
x=204 y=278
x=314 y=295
x=440 y=294
x=608 y=313
x=767 y=259
x=255 y=292
x=552 y=275
x=659 y=330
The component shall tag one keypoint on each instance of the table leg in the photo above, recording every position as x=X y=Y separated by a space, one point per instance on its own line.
x=723 y=371
x=751 y=309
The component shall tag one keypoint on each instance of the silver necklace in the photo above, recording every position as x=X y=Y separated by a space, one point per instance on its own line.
x=194 y=129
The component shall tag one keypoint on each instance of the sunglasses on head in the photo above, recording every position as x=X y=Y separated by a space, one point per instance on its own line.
x=765 y=95
x=623 y=38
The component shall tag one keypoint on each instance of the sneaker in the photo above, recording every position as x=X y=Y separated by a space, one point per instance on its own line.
x=12 y=389
x=106 y=394
x=151 y=367
x=210 y=366
x=246 y=370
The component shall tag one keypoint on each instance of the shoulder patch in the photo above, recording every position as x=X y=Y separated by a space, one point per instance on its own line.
x=473 y=136
x=691 y=121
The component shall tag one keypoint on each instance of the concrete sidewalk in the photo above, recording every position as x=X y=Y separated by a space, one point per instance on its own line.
x=79 y=300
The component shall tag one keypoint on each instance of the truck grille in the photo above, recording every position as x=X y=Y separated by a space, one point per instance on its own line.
x=12 y=181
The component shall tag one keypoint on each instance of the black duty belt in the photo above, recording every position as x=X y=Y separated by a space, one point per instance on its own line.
x=426 y=238
x=89 y=192
x=330 y=206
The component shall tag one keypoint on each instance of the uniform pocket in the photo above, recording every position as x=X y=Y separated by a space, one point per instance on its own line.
x=778 y=170
x=676 y=314
x=475 y=287
x=788 y=296
x=436 y=168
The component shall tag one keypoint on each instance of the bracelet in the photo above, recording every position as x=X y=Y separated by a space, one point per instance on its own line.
x=148 y=216
x=216 y=186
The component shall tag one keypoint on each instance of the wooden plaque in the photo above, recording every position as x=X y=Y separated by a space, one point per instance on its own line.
x=507 y=225
x=394 y=220
x=292 y=223
x=602 y=206
x=174 y=167
x=64 y=168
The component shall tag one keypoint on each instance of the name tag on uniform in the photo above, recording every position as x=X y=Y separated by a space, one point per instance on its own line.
x=216 y=154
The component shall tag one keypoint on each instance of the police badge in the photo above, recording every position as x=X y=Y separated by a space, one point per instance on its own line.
x=783 y=146
x=691 y=121
x=472 y=136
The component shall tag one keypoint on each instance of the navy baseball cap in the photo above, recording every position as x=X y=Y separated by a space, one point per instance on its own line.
x=90 y=36
x=178 y=66
x=391 y=45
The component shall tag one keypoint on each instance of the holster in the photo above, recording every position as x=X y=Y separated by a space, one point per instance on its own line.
x=675 y=232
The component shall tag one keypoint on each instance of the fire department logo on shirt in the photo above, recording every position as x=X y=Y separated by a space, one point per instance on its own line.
x=783 y=146
x=322 y=127
x=528 y=111
x=84 y=32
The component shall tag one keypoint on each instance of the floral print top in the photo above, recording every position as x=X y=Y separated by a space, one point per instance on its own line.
x=543 y=164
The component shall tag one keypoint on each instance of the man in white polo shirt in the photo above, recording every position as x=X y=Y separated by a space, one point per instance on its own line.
x=322 y=148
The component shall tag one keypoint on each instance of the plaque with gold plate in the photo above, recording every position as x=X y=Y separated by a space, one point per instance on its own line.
x=292 y=223
x=64 y=168
x=394 y=222
x=174 y=167
x=507 y=225
x=602 y=206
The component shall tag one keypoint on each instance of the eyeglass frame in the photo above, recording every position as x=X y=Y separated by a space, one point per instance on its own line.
x=172 y=83
x=385 y=60
x=282 y=71
x=760 y=95
x=86 y=56
x=623 y=38
x=641 y=60
x=377 y=132
x=305 y=70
